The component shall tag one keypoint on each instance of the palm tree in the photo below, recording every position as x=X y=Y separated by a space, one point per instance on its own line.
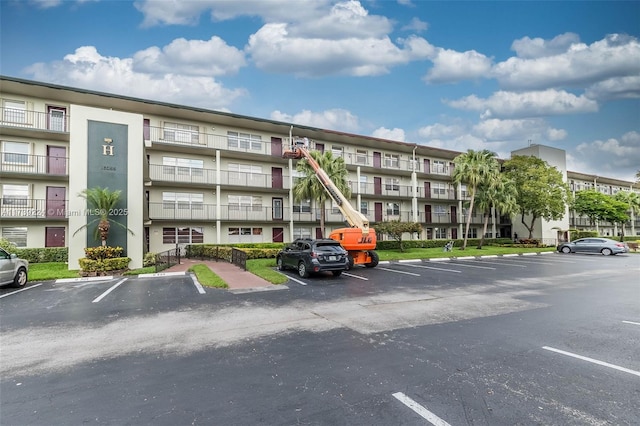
x=474 y=168
x=102 y=202
x=309 y=187
x=632 y=200
x=498 y=193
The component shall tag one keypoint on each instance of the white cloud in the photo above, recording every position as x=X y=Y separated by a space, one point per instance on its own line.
x=615 y=88
x=86 y=68
x=516 y=130
x=451 y=66
x=332 y=119
x=394 y=134
x=529 y=48
x=614 y=157
x=580 y=65
x=440 y=131
x=527 y=104
x=416 y=25
x=273 y=49
x=190 y=57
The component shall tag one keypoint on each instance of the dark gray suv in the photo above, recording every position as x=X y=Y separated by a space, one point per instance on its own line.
x=310 y=256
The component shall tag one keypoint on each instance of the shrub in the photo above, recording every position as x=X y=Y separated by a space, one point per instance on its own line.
x=103 y=265
x=149 y=259
x=103 y=252
x=7 y=245
x=44 y=255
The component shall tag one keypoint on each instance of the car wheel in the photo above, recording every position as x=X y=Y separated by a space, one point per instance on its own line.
x=566 y=250
x=351 y=262
x=21 y=278
x=302 y=270
x=605 y=251
x=336 y=273
x=279 y=264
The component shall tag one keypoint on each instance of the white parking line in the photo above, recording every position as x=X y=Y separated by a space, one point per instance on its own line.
x=296 y=280
x=83 y=279
x=400 y=272
x=21 y=290
x=488 y=262
x=529 y=261
x=631 y=322
x=161 y=274
x=431 y=267
x=473 y=266
x=113 y=287
x=594 y=361
x=355 y=276
x=197 y=283
x=420 y=410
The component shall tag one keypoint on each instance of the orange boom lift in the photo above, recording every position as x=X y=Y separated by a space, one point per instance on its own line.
x=359 y=240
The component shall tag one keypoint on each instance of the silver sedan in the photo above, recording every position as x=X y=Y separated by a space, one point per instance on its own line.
x=604 y=246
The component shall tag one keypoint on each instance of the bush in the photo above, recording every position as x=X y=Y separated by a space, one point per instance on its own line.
x=7 y=245
x=103 y=265
x=44 y=255
x=103 y=252
x=149 y=259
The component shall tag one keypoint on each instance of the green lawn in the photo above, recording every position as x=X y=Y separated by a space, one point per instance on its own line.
x=429 y=253
x=207 y=277
x=50 y=271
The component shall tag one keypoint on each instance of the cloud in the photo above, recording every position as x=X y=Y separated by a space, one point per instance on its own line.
x=616 y=55
x=529 y=48
x=615 y=88
x=614 y=157
x=527 y=104
x=416 y=25
x=336 y=119
x=439 y=131
x=516 y=130
x=190 y=57
x=450 y=66
x=394 y=134
x=86 y=68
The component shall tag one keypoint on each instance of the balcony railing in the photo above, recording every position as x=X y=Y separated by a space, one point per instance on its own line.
x=195 y=175
x=34 y=209
x=33 y=164
x=54 y=121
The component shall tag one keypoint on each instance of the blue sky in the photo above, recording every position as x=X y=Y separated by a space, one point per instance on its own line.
x=455 y=75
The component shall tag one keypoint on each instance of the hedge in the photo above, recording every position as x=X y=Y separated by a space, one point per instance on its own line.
x=42 y=255
x=104 y=265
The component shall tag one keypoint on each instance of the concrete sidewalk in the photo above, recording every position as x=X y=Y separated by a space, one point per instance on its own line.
x=234 y=276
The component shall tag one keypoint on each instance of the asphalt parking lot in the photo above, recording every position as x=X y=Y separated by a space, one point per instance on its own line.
x=542 y=339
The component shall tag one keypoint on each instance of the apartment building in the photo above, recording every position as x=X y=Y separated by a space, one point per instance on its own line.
x=189 y=175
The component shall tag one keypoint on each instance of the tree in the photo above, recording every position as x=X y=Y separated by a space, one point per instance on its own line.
x=395 y=229
x=309 y=187
x=638 y=176
x=632 y=201
x=542 y=192
x=102 y=203
x=498 y=193
x=474 y=168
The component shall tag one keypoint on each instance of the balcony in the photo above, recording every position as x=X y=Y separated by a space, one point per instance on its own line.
x=34 y=209
x=26 y=164
x=20 y=122
x=184 y=138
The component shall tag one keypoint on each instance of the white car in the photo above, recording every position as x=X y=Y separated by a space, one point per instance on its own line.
x=13 y=270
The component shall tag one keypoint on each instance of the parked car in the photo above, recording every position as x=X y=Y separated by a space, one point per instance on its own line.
x=13 y=270
x=309 y=256
x=605 y=246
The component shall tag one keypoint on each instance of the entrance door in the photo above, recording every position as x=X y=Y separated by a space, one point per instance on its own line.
x=377 y=185
x=427 y=213
x=276 y=177
x=427 y=189
x=454 y=233
x=377 y=160
x=377 y=212
x=454 y=214
x=56 y=201
x=276 y=147
x=277 y=235
x=56 y=160
x=276 y=204
x=54 y=236
x=57 y=119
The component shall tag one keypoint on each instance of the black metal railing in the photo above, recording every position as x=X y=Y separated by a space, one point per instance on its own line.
x=239 y=258
x=167 y=259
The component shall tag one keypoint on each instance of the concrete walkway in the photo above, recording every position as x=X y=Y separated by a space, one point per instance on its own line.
x=236 y=277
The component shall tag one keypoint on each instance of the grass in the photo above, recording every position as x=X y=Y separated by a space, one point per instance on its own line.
x=264 y=269
x=50 y=271
x=207 y=277
x=146 y=270
x=428 y=253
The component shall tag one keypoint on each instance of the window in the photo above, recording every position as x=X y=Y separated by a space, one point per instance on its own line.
x=473 y=233
x=363 y=184
x=244 y=141
x=361 y=156
x=247 y=202
x=15 y=152
x=463 y=191
x=337 y=151
x=364 y=207
x=177 y=132
x=246 y=232
x=182 y=167
x=392 y=184
x=438 y=190
x=302 y=206
x=182 y=235
x=17 y=236
x=439 y=210
x=182 y=200
x=15 y=111
x=414 y=165
x=439 y=167
x=15 y=195
x=392 y=160
x=334 y=208
x=440 y=233
x=393 y=209
x=246 y=174
x=301 y=232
